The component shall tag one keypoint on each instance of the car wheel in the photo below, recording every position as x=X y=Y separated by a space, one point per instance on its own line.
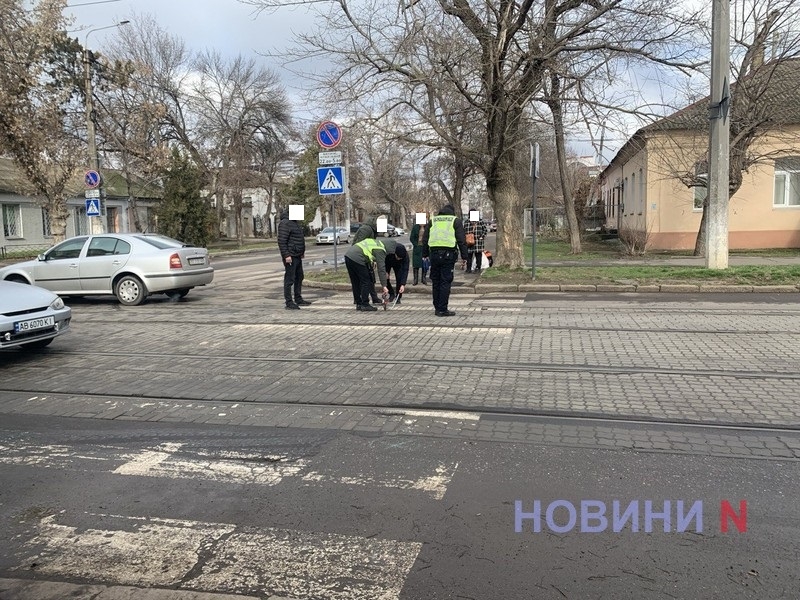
x=37 y=344
x=176 y=295
x=130 y=290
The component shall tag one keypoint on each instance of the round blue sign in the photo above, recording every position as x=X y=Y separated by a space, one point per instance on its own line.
x=329 y=134
x=92 y=179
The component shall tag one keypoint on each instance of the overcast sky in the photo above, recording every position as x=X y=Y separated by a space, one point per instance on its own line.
x=224 y=25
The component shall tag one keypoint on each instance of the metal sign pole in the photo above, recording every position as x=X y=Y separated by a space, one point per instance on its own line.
x=335 y=235
x=534 y=177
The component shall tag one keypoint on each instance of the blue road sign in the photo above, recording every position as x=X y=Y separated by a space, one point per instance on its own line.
x=329 y=134
x=92 y=207
x=330 y=180
x=92 y=179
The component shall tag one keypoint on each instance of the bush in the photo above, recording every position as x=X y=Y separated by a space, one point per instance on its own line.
x=634 y=241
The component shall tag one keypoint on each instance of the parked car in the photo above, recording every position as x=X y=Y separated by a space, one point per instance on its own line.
x=354 y=226
x=30 y=316
x=399 y=231
x=493 y=225
x=326 y=236
x=130 y=266
x=391 y=231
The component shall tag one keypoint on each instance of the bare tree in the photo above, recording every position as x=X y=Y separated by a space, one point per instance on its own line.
x=495 y=55
x=40 y=118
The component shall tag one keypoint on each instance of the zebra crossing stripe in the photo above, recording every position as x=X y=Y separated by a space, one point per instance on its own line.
x=222 y=557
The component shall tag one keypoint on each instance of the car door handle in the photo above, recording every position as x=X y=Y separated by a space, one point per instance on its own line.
x=116 y=262
x=73 y=265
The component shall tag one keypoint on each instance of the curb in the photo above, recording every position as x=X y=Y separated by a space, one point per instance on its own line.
x=492 y=288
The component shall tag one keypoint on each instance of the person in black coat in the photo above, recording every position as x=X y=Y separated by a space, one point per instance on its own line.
x=397 y=260
x=292 y=246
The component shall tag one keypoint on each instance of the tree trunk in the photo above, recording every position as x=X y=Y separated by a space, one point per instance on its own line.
x=554 y=103
x=509 y=208
x=59 y=213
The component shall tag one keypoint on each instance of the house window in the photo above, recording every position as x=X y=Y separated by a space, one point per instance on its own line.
x=700 y=186
x=12 y=220
x=787 y=182
x=634 y=189
x=46 y=231
x=80 y=221
x=641 y=192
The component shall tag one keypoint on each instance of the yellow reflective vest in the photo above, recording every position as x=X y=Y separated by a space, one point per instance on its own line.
x=443 y=232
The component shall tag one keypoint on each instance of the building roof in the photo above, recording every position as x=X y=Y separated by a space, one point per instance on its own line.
x=770 y=94
x=13 y=180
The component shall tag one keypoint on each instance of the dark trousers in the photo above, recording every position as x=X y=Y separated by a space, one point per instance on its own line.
x=360 y=281
x=394 y=265
x=293 y=277
x=477 y=255
x=442 y=263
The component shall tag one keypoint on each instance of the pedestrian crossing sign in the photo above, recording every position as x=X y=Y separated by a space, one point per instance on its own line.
x=92 y=207
x=330 y=180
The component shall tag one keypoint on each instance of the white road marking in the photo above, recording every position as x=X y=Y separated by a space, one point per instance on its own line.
x=441 y=414
x=435 y=485
x=263 y=561
x=161 y=462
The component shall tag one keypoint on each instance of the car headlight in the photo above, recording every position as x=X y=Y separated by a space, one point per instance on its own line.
x=57 y=304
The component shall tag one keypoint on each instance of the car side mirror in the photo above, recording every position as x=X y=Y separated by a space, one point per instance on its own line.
x=42 y=257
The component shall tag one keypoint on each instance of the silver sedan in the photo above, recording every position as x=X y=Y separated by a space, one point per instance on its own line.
x=130 y=266
x=30 y=317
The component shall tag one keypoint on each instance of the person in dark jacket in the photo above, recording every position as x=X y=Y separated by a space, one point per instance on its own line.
x=396 y=260
x=443 y=241
x=417 y=263
x=292 y=246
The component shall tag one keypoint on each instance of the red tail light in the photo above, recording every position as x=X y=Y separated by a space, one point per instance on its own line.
x=175 y=261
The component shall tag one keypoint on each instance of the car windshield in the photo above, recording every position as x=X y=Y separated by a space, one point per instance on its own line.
x=328 y=230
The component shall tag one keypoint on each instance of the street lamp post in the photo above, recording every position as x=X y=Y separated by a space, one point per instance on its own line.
x=91 y=134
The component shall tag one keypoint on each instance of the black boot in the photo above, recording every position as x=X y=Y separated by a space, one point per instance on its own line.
x=424 y=277
x=416 y=275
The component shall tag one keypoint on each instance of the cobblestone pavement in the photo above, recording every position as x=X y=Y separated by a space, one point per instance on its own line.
x=230 y=353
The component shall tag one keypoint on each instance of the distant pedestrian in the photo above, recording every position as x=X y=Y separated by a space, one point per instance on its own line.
x=417 y=262
x=475 y=232
x=292 y=246
x=397 y=261
x=443 y=242
x=361 y=260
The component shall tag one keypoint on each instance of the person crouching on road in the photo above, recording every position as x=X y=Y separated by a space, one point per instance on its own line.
x=443 y=241
x=292 y=246
x=360 y=260
x=396 y=260
x=368 y=230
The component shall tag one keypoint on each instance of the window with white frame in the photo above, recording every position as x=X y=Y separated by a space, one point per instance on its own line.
x=12 y=220
x=787 y=181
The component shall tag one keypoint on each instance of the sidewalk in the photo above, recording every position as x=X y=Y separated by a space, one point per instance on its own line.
x=476 y=285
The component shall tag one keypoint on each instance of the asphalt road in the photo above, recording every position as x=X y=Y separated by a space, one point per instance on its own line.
x=222 y=445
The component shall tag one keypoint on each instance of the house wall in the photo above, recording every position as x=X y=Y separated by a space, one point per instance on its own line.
x=669 y=213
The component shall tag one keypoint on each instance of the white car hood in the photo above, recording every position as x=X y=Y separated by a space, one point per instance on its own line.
x=15 y=297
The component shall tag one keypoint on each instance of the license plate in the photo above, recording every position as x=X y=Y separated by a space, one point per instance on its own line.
x=197 y=261
x=34 y=324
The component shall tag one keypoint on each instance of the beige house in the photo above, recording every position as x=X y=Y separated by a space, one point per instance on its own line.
x=655 y=183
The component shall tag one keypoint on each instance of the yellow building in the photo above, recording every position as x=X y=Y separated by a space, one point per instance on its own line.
x=655 y=185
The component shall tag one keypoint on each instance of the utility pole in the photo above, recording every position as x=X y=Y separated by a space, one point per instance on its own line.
x=719 y=139
x=96 y=225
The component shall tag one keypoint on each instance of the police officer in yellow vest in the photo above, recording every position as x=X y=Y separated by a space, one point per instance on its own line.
x=443 y=241
x=360 y=260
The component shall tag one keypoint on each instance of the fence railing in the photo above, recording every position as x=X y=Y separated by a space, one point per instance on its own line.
x=21 y=251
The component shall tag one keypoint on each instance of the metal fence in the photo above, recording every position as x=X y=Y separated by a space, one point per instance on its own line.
x=21 y=251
